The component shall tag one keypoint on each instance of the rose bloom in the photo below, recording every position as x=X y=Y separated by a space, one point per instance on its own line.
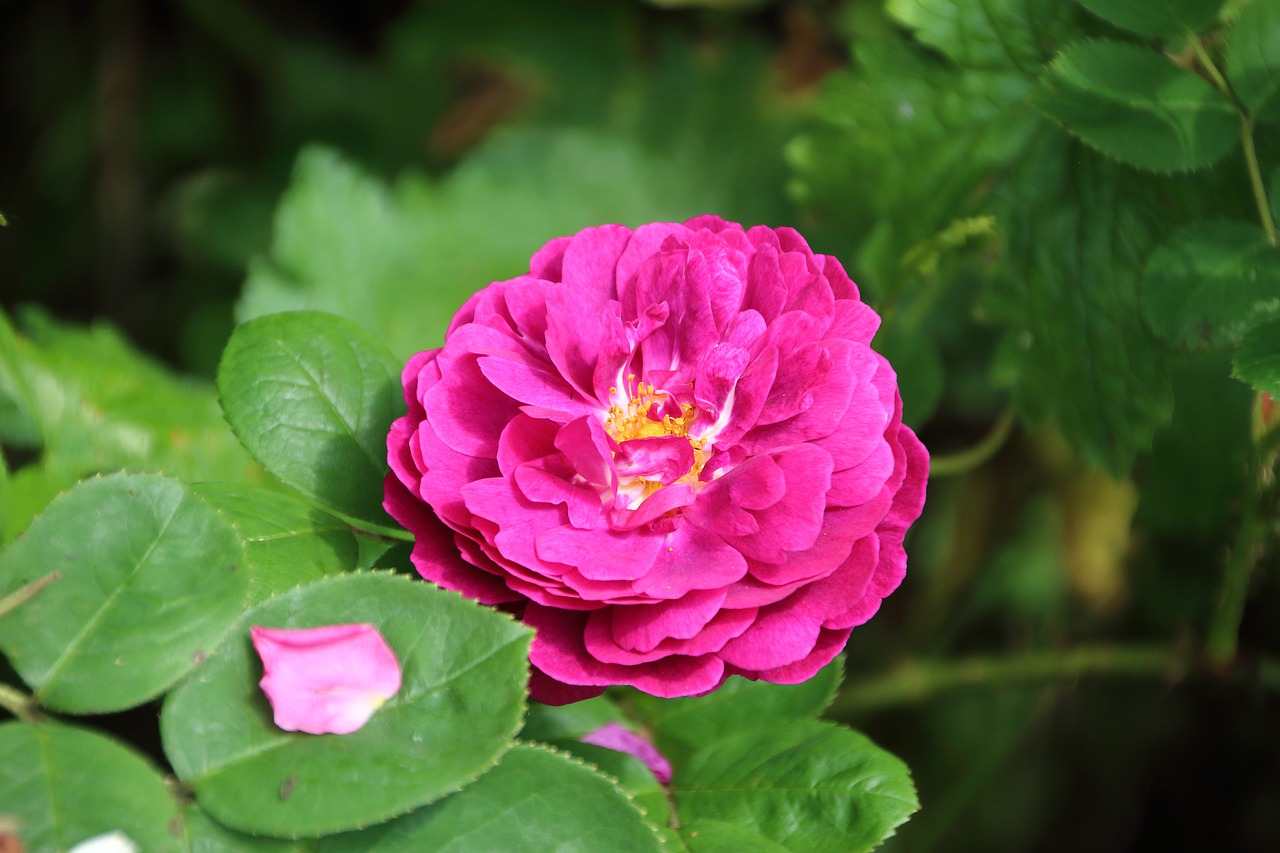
x=671 y=451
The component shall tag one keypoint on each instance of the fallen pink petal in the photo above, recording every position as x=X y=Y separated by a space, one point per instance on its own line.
x=326 y=680
x=618 y=737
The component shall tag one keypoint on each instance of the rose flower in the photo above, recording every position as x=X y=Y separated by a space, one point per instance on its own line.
x=671 y=451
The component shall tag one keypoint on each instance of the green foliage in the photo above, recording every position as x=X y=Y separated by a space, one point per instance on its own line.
x=464 y=668
x=1210 y=283
x=1156 y=17
x=137 y=557
x=804 y=786
x=546 y=802
x=1136 y=106
x=1258 y=358
x=311 y=396
x=286 y=541
x=65 y=785
x=1253 y=58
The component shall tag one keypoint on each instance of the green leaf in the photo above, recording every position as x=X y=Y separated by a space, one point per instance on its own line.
x=400 y=260
x=287 y=542
x=203 y=834
x=1157 y=17
x=96 y=404
x=713 y=836
x=1258 y=358
x=149 y=580
x=564 y=722
x=986 y=34
x=1210 y=283
x=739 y=705
x=1077 y=349
x=1136 y=106
x=1253 y=56
x=64 y=785
x=534 y=800
x=312 y=397
x=464 y=670
x=806 y=786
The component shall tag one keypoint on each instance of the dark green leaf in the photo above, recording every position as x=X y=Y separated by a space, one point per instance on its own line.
x=286 y=542
x=1258 y=358
x=1253 y=56
x=312 y=397
x=203 y=834
x=464 y=669
x=150 y=579
x=1077 y=349
x=1210 y=283
x=916 y=360
x=1157 y=17
x=808 y=786
x=534 y=800
x=64 y=785
x=1136 y=106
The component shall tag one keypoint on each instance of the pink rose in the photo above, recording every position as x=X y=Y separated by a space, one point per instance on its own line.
x=671 y=451
x=326 y=680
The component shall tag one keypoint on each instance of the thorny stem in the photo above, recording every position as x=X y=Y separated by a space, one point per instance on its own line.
x=23 y=594
x=19 y=704
x=1246 y=138
x=964 y=461
x=918 y=681
x=1224 y=629
x=1255 y=181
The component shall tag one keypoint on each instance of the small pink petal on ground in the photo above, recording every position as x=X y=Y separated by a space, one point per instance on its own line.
x=326 y=680
x=617 y=737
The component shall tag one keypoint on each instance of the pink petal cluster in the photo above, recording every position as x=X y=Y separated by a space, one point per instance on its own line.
x=326 y=680
x=671 y=451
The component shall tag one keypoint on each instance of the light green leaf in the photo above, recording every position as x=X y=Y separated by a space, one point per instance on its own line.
x=1077 y=349
x=1258 y=358
x=400 y=260
x=987 y=34
x=806 y=786
x=464 y=669
x=286 y=542
x=1136 y=106
x=1253 y=57
x=713 y=836
x=150 y=579
x=1210 y=283
x=739 y=705
x=1157 y=17
x=64 y=785
x=95 y=404
x=535 y=800
x=312 y=397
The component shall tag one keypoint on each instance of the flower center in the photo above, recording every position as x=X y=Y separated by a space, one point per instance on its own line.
x=643 y=411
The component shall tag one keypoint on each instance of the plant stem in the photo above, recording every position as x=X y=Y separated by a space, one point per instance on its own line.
x=916 y=681
x=19 y=704
x=964 y=461
x=23 y=594
x=1255 y=180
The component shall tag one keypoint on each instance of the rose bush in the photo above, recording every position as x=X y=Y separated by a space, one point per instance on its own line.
x=671 y=451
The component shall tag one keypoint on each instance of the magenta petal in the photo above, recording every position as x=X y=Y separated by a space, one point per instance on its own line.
x=614 y=736
x=671 y=451
x=326 y=680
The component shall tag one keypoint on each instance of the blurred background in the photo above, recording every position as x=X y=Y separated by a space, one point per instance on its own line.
x=1053 y=670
